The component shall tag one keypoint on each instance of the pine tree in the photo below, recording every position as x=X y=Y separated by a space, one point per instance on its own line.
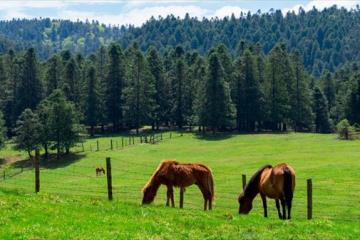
x=277 y=97
x=92 y=101
x=29 y=89
x=43 y=112
x=53 y=78
x=2 y=131
x=320 y=108
x=102 y=61
x=217 y=110
x=72 y=84
x=353 y=102
x=114 y=89
x=250 y=99
x=161 y=100
x=301 y=112
x=139 y=93
x=27 y=132
x=63 y=122
x=9 y=106
x=178 y=82
x=329 y=89
x=3 y=85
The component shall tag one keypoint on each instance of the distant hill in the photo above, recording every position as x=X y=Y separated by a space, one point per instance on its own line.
x=327 y=39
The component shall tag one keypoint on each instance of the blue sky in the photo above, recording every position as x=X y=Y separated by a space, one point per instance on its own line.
x=117 y=12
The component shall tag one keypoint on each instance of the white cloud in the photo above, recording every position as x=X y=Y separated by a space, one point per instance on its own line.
x=321 y=4
x=228 y=10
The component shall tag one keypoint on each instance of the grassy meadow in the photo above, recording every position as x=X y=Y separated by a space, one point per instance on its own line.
x=72 y=203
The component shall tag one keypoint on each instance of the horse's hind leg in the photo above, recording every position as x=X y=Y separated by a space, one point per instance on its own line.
x=205 y=204
x=278 y=208
x=263 y=198
x=182 y=190
x=283 y=205
x=289 y=203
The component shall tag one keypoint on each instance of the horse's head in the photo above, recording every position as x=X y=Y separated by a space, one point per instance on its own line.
x=245 y=204
x=149 y=194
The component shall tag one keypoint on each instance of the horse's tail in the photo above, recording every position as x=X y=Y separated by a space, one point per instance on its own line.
x=288 y=191
x=211 y=184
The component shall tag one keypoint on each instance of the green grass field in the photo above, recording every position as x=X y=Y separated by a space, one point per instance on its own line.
x=73 y=203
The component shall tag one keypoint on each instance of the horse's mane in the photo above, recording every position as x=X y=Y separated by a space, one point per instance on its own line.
x=161 y=166
x=251 y=188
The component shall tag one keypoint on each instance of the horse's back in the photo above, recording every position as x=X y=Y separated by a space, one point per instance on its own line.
x=273 y=180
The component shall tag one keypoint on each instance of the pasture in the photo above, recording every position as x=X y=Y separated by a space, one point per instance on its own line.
x=72 y=203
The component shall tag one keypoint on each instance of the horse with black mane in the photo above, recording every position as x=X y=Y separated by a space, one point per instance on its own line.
x=173 y=174
x=276 y=182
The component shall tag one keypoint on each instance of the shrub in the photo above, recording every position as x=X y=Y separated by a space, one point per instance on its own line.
x=346 y=131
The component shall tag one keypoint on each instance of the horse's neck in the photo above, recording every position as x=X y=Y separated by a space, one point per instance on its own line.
x=155 y=183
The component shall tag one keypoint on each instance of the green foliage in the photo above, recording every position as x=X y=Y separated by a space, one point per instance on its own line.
x=139 y=94
x=353 y=103
x=29 y=89
x=277 y=87
x=63 y=122
x=320 y=108
x=345 y=130
x=28 y=132
x=114 y=87
x=2 y=131
x=92 y=104
x=218 y=108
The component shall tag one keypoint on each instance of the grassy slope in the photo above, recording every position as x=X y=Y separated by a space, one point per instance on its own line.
x=332 y=164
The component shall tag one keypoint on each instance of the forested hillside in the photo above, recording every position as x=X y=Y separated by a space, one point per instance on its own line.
x=247 y=74
x=325 y=39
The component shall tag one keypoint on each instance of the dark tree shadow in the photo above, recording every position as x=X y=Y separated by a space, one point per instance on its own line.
x=52 y=162
x=64 y=161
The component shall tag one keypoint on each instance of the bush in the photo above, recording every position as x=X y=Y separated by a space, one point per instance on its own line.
x=346 y=131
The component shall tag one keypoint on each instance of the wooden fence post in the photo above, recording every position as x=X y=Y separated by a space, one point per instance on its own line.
x=111 y=144
x=161 y=136
x=109 y=180
x=37 y=170
x=97 y=145
x=133 y=138
x=4 y=174
x=309 y=199
x=140 y=138
x=122 y=142
x=129 y=140
x=244 y=180
x=82 y=145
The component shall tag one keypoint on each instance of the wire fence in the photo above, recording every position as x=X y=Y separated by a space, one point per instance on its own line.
x=336 y=200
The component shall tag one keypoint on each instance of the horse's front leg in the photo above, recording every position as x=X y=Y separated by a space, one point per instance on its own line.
x=169 y=195
x=182 y=190
x=263 y=198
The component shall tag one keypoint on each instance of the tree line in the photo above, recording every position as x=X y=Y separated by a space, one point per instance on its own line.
x=47 y=103
x=325 y=39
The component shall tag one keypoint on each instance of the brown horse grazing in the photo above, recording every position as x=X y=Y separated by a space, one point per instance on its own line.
x=173 y=174
x=100 y=170
x=274 y=182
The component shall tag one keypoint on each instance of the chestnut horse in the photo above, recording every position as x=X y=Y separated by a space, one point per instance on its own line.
x=274 y=182
x=100 y=170
x=173 y=174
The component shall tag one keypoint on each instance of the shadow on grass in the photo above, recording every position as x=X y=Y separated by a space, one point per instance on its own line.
x=214 y=136
x=52 y=162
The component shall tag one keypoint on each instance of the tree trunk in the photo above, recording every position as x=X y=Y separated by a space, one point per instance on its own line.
x=46 y=155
